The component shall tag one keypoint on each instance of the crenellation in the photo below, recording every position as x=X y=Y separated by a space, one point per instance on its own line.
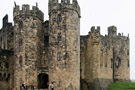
x=112 y=31
x=36 y=52
x=26 y=11
x=95 y=29
x=65 y=4
x=25 y=8
x=106 y=57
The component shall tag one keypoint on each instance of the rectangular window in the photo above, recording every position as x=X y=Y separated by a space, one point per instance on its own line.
x=59 y=18
x=59 y=36
x=59 y=56
x=46 y=40
x=45 y=61
x=20 y=24
x=20 y=42
x=20 y=61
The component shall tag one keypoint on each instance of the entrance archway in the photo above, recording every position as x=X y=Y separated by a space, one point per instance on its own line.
x=42 y=81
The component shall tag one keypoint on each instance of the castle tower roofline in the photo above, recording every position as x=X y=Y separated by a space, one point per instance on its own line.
x=112 y=31
x=65 y=4
x=26 y=11
x=95 y=29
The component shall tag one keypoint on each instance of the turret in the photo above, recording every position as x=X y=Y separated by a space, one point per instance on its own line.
x=64 y=31
x=95 y=29
x=112 y=31
x=35 y=12
x=65 y=4
x=27 y=43
x=95 y=35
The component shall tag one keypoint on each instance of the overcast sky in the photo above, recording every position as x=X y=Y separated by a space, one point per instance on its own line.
x=104 y=13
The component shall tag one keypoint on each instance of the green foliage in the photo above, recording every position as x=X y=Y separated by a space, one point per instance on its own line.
x=122 y=86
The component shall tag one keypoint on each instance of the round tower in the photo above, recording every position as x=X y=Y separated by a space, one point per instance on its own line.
x=64 y=41
x=27 y=30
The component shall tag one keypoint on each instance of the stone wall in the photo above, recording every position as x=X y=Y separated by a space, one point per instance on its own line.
x=104 y=59
x=50 y=51
x=6 y=69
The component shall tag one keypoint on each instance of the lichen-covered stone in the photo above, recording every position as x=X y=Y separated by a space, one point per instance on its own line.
x=35 y=52
x=104 y=59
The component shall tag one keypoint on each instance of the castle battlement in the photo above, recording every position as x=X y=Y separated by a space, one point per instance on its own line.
x=65 y=4
x=26 y=11
x=112 y=31
x=36 y=52
x=95 y=29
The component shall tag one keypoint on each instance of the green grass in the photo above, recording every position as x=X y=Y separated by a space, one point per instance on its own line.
x=122 y=86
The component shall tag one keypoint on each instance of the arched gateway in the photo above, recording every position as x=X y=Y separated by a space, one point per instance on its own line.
x=42 y=81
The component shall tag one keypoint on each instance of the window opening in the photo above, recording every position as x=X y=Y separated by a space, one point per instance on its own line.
x=59 y=56
x=59 y=18
x=20 y=61
x=46 y=40
x=20 y=42
x=59 y=36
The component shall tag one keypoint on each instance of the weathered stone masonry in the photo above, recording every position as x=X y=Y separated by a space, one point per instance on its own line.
x=104 y=59
x=36 y=52
x=27 y=31
x=64 y=29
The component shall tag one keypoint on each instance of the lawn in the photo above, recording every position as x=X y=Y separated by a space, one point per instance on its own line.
x=122 y=86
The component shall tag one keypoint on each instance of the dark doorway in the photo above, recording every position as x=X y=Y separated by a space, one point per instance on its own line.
x=42 y=81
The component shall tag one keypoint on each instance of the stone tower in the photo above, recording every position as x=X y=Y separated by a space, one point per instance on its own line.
x=27 y=31
x=64 y=41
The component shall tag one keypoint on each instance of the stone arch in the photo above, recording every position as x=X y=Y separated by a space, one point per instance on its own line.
x=43 y=79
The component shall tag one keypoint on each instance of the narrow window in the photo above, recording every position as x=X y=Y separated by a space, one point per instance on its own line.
x=20 y=42
x=59 y=36
x=20 y=60
x=20 y=24
x=59 y=56
x=44 y=61
x=46 y=40
x=128 y=52
x=101 y=59
x=4 y=45
x=111 y=63
x=59 y=18
x=26 y=58
x=128 y=63
x=118 y=62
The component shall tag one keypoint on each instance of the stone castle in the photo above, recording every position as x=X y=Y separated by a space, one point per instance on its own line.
x=36 y=52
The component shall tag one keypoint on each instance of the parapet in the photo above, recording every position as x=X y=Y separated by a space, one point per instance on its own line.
x=112 y=31
x=65 y=4
x=26 y=11
x=95 y=29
